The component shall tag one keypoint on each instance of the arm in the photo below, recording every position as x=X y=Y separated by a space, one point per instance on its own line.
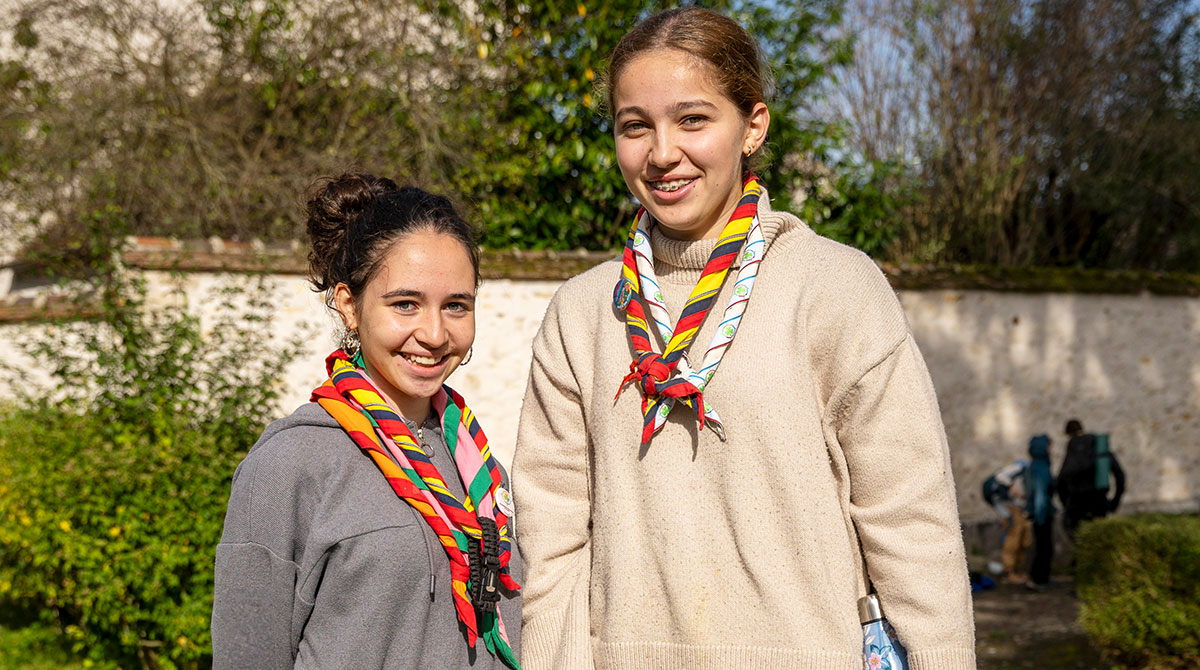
x=904 y=508
x=552 y=493
x=252 y=609
x=1008 y=474
x=254 y=592
x=1064 y=491
x=1119 y=475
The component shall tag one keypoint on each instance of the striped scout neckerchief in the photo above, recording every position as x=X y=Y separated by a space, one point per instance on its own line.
x=665 y=378
x=354 y=402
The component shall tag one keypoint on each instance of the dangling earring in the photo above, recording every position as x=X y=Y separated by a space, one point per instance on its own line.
x=469 y=352
x=350 y=342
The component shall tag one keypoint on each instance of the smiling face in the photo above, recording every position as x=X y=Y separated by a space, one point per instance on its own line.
x=680 y=141
x=415 y=318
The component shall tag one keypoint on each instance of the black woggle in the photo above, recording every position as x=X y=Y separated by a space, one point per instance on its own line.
x=484 y=558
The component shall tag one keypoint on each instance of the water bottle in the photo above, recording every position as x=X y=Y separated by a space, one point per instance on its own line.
x=881 y=648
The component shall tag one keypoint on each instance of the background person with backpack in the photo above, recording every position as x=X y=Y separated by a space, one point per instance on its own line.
x=1039 y=506
x=1083 y=479
x=1005 y=492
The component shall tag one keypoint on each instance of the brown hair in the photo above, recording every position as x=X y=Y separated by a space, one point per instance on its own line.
x=732 y=54
x=353 y=219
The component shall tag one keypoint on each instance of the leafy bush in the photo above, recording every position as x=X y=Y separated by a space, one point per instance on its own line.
x=36 y=647
x=113 y=482
x=112 y=538
x=208 y=117
x=864 y=206
x=1139 y=582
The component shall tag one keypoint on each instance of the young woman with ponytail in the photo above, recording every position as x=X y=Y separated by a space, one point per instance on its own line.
x=372 y=528
x=774 y=448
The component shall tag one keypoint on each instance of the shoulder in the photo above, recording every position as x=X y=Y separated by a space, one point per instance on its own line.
x=825 y=264
x=281 y=482
x=837 y=282
x=583 y=301
x=305 y=437
x=294 y=458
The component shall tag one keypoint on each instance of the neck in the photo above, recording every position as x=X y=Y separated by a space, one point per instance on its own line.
x=415 y=409
x=712 y=231
x=690 y=235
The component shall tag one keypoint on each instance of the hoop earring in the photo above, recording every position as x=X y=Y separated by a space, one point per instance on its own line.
x=468 y=358
x=350 y=342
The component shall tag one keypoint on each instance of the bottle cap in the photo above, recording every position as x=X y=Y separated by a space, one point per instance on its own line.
x=869 y=609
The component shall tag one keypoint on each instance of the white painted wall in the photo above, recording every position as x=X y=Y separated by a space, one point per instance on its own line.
x=1006 y=366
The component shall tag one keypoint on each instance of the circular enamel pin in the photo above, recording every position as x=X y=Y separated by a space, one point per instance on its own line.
x=622 y=294
x=504 y=501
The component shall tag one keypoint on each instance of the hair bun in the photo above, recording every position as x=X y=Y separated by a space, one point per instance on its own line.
x=333 y=206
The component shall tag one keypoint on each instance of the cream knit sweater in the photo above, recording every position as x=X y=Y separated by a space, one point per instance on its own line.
x=698 y=554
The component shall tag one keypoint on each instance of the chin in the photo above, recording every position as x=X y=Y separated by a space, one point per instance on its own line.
x=427 y=388
x=678 y=225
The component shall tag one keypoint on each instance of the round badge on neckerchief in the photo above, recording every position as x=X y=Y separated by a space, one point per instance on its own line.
x=504 y=501
x=622 y=295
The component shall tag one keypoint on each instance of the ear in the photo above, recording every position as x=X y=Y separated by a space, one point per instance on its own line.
x=756 y=126
x=343 y=301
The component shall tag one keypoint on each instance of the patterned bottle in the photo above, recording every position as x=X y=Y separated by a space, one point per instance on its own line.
x=881 y=648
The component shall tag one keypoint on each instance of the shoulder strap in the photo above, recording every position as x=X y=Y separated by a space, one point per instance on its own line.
x=1103 y=462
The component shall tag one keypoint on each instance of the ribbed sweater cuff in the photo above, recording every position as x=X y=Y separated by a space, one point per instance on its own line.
x=669 y=656
x=553 y=643
x=942 y=659
x=539 y=644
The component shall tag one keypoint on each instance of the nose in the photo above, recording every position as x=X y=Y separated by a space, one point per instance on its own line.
x=431 y=332
x=664 y=150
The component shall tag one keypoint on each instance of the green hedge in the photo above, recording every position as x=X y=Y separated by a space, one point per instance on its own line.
x=114 y=479
x=1138 y=579
x=112 y=538
x=35 y=647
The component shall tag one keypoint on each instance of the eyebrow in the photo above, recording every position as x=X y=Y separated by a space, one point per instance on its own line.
x=672 y=110
x=410 y=293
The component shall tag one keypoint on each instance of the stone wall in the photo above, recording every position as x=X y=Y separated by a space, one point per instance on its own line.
x=1007 y=365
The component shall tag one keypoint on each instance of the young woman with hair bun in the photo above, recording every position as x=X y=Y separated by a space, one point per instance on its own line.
x=774 y=451
x=372 y=528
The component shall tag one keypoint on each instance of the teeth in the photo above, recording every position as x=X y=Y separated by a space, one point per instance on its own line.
x=421 y=360
x=669 y=186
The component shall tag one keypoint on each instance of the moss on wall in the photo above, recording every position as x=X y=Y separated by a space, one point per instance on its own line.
x=149 y=253
x=159 y=254
x=1040 y=280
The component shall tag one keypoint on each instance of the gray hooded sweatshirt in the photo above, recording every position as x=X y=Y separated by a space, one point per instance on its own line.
x=322 y=566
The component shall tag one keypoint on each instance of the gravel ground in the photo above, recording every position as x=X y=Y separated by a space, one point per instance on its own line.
x=1016 y=628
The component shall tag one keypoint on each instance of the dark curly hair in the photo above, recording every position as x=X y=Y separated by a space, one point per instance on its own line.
x=354 y=218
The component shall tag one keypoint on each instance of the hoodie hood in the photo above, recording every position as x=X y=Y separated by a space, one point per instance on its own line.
x=312 y=415
x=1039 y=447
x=308 y=414
x=1039 y=484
